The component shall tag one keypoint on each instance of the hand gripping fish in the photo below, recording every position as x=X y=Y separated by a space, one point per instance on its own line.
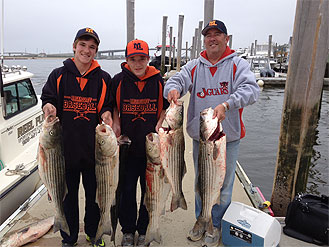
x=212 y=168
x=51 y=167
x=172 y=147
x=107 y=176
x=157 y=188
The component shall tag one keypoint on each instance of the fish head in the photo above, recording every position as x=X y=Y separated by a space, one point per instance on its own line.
x=174 y=114
x=51 y=132
x=106 y=141
x=208 y=124
x=152 y=145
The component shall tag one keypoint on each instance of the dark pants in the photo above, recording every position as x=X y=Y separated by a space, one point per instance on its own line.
x=134 y=169
x=71 y=203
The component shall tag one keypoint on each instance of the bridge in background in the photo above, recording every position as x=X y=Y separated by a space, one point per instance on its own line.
x=104 y=54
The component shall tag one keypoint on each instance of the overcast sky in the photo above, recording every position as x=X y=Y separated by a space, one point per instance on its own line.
x=51 y=25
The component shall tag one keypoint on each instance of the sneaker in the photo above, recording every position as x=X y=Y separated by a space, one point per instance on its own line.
x=99 y=243
x=127 y=239
x=68 y=245
x=196 y=233
x=211 y=240
x=141 y=241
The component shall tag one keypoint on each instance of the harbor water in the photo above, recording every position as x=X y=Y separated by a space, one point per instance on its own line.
x=262 y=120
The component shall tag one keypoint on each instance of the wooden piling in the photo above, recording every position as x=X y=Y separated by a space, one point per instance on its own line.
x=255 y=50
x=199 y=40
x=252 y=49
x=180 y=40
x=304 y=85
x=269 y=46
x=163 y=48
x=174 y=53
x=230 y=41
x=193 y=48
x=170 y=46
x=130 y=20
x=208 y=11
x=186 y=56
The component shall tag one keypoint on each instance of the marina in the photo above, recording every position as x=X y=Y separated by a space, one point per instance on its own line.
x=264 y=152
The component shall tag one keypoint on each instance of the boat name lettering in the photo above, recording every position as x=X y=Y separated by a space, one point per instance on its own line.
x=39 y=119
x=25 y=128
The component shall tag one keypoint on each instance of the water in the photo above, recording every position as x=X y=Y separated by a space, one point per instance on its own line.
x=259 y=148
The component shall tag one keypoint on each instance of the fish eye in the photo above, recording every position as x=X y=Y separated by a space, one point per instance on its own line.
x=102 y=142
x=51 y=132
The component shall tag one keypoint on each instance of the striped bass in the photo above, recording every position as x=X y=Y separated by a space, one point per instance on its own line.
x=27 y=234
x=51 y=165
x=172 y=147
x=212 y=168
x=107 y=176
x=157 y=188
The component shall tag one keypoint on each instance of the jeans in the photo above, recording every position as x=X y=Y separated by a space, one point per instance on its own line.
x=218 y=210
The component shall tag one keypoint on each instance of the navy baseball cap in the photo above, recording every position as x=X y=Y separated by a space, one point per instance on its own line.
x=215 y=24
x=87 y=32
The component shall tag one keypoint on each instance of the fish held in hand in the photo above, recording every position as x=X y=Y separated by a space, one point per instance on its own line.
x=107 y=176
x=157 y=188
x=212 y=169
x=51 y=165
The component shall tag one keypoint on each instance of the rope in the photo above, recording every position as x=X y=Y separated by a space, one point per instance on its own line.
x=19 y=170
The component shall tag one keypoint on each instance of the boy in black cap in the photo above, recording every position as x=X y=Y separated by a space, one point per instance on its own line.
x=77 y=94
x=137 y=93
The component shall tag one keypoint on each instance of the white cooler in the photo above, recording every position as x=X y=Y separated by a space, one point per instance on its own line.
x=243 y=225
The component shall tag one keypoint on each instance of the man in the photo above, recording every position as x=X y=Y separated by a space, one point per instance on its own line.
x=77 y=94
x=137 y=93
x=223 y=81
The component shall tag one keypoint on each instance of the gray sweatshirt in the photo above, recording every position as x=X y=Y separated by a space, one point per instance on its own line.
x=229 y=80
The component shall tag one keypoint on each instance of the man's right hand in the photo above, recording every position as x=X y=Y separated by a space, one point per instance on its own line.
x=173 y=95
x=49 y=109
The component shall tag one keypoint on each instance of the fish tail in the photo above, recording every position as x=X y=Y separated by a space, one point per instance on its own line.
x=104 y=227
x=60 y=223
x=178 y=201
x=153 y=236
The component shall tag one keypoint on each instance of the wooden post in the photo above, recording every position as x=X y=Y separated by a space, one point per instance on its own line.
x=255 y=50
x=230 y=41
x=180 y=40
x=193 y=48
x=208 y=13
x=196 y=32
x=186 y=57
x=163 y=48
x=173 y=56
x=252 y=49
x=170 y=44
x=269 y=46
x=304 y=85
x=130 y=20
x=199 y=41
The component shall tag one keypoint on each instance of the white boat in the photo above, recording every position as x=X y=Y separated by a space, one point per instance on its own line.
x=263 y=67
x=21 y=118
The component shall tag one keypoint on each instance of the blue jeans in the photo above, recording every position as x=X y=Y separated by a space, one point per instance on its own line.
x=218 y=210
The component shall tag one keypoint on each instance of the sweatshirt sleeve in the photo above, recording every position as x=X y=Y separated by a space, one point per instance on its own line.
x=49 y=90
x=106 y=105
x=245 y=88
x=181 y=81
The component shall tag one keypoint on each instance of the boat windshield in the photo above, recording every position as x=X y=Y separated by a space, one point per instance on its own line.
x=18 y=97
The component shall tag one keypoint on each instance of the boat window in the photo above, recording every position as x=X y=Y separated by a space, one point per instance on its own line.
x=19 y=97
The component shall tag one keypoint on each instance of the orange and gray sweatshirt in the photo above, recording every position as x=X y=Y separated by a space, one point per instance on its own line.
x=228 y=80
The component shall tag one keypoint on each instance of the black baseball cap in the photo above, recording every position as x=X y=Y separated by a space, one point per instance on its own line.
x=87 y=32
x=215 y=24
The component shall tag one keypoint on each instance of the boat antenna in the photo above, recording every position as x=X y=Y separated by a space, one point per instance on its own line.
x=2 y=30
x=1 y=65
